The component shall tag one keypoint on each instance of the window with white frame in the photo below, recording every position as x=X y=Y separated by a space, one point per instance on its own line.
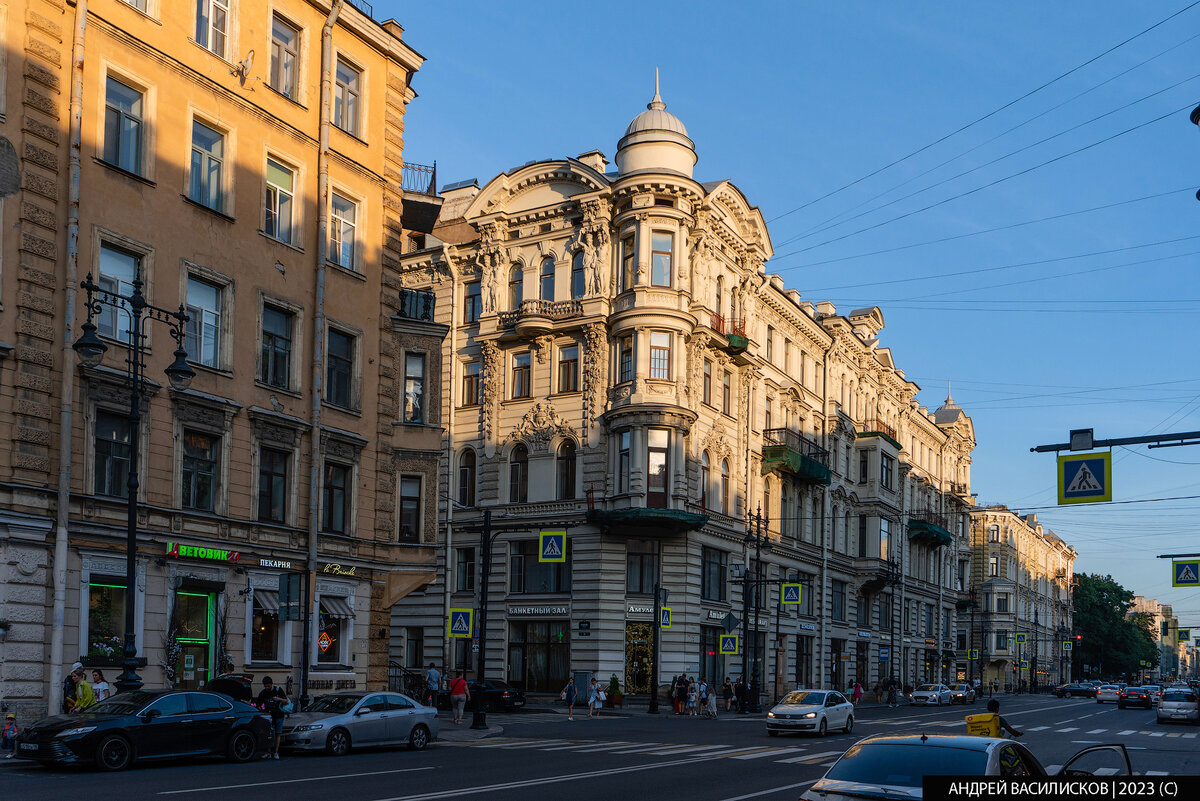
x=118 y=270
x=345 y=97
x=464 y=569
x=277 y=213
x=203 y=341
x=207 y=167
x=520 y=375
x=706 y=382
x=285 y=57
x=625 y=362
x=470 y=386
x=343 y=231
x=660 y=354
x=662 y=251
x=123 y=126
x=212 y=25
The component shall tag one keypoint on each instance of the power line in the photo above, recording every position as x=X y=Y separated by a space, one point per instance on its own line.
x=991 y=113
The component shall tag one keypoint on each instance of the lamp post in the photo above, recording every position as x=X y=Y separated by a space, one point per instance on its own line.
x=91 y=349
x=660 y=597
x=755 y=535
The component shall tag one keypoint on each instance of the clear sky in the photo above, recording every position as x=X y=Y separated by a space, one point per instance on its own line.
x=1065 y=287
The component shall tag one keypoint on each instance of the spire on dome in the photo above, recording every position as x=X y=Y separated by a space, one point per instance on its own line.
x=949 y=397
x=656 y=103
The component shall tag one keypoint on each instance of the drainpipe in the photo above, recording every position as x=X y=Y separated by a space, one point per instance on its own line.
x=318 y=389
x=67 y=379
x=826 y=515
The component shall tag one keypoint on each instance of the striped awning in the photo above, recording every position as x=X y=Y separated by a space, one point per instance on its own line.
x=336 y=607
x=268 y=600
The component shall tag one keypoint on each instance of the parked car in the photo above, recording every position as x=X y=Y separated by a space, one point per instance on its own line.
x=1134 y=696
x=498 y=696
x=148 y=724
x=932 y=694
x=894 y=766
x=1179 y=704
x=339 y=722
x=1076 y=689
x=962 y=694
x=1155 y=693
x=1107 y=692
x=811 y=711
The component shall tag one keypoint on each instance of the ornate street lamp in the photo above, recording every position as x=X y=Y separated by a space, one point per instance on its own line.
x=91 y=349
x=755 y=535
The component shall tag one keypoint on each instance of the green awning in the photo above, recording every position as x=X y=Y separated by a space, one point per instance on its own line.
x=883 y=434
x=738 y=343
x=935 y=534
x=781 y=456
x=638 y=519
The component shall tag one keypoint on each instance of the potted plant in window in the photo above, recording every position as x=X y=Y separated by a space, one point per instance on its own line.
x=615 y=697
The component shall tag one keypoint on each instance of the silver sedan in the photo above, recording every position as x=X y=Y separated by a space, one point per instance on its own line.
x=339 y=722
x=932 y=694
x=811 y=711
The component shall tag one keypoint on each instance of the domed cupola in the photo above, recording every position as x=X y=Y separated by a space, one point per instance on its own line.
x=656 y=141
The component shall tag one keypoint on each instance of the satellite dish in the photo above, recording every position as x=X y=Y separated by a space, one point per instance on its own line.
x=242 y=70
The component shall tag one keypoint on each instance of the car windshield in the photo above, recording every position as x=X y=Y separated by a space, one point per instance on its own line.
x=905 y=765
x=803 y=697
x=334 y=704
x=123 y=703
x=926 y=688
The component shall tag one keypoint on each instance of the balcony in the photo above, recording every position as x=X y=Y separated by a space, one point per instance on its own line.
x=643 y=522
x=874 y=427
x=734 y=332
x=416 y=304
x=930 y=527
x=784 y=449
x=539 y=316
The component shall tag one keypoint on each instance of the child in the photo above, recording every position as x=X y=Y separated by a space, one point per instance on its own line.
x=691 y=699
x=8 y=735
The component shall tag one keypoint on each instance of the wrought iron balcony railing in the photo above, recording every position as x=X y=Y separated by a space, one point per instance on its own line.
x=549 y=309
x=417 y=304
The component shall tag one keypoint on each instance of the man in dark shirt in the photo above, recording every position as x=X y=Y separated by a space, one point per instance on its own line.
x=272 y=700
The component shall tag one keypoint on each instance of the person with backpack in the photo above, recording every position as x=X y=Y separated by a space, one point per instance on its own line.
x=274 y=701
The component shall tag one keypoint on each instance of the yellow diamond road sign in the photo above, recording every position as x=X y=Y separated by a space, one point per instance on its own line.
x=1084 y=477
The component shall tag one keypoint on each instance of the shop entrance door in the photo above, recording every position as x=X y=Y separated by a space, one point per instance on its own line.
x=195 y=619
x=639 y=658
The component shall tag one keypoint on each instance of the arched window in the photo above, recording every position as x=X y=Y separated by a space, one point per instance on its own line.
x=565 y=469
x=518 y=475
x=705 y=480
x=577 y=276
x=466 y=478
x=547 y=280
x=725 y=507
x=516 y=287
x=766 y=501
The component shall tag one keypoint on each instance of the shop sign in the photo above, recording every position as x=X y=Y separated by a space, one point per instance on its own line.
x=526 y=611
x=714 y=614
x=332 y=684
x=282 y=564
x=638 y=609
x=194 y=552
x=866 y=635
x=808 y=627
x=930 y=643
x=335 y=569
x=324 y=641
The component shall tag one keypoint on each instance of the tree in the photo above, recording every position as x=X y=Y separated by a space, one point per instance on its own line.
x=1114 y=642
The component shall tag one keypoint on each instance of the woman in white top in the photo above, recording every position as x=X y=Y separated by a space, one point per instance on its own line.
x=99 y=686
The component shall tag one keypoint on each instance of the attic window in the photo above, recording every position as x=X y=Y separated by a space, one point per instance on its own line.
x=545 y=229
x=514 y=234
x=664 y=201
x=416 y=242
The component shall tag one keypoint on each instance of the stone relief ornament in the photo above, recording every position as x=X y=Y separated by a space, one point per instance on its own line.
x=595 y=356
x=491 y=257
x=541 y=347
x=489 y=387
x=539 y=426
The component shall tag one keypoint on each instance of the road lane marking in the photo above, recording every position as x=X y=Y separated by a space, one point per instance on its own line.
x=682 y=749
x=772 y=791
x=772 y=752
x=531 y=743
x=591 y=745
x=1097 y=731
x=1123 y=733
x=1173 y=734
x=1189 y=736
x=1068 y=729
x=610 y=746
x=742 y=750
x=1037 y=728
x=813 y=759
x=1157 y=733
x=291 y=781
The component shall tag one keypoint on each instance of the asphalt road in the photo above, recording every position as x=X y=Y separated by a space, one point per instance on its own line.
x=660 y=757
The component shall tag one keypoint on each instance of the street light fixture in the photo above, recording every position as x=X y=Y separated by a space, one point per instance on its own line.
x=91 y=349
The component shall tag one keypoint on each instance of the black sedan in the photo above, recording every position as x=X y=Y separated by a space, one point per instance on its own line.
x=148 y=724
x=498 y=696
x=1135 y=696
x=1077 y=689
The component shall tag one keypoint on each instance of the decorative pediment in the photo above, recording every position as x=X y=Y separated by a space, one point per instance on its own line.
x=540 y=425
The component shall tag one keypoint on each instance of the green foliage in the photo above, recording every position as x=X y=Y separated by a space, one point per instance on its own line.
x=1114 y=642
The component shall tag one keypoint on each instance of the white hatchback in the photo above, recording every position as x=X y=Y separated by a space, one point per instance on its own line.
x=1107 y=692
x=1179 y=705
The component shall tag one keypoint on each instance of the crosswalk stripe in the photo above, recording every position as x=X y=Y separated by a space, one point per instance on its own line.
x=667 y=750
x=611 y=746
x=1143 y=731
x=732 y=751
x=1157 y=734
x=1105 y=771
x=590 y=744
x=1173 y=734
x=1097 y=731
x=1068 y=729
x=770 y=753
x=815 y=758
x=641 y=748
x=1189 y=736
x=1037 y=728
x=1123 y=733
x=540 y=743
x=1157 y=773
x=791 y=760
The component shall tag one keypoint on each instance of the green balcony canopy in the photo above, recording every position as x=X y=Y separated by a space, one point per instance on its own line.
x=782 y=457
x=922 y=529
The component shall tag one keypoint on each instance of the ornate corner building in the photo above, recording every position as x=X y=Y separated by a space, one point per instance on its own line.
x=620 y=364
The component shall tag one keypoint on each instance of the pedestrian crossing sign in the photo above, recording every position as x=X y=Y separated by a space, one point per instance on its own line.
x=1185 y=635
x=791 y=593
x=664 y=617
x=1024 y=664
x=461 y=623
x=729 y=644
x=1021 y=637
x=552 y=546
x=1084 y=478
x=1185 y=573
x=974 y=653
x=1068 y=645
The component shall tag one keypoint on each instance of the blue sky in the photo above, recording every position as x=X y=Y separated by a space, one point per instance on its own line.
x=1070 y=316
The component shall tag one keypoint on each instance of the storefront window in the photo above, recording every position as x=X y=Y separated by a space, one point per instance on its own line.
x=106 y=618
x=264 y=637
x=712 y=664
x=334 y=628
x=539 y=655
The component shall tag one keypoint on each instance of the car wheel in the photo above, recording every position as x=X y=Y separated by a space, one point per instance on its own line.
x=242 y=746
x=772 y=733
x=114 y=753
x=823 y=728
x=338 y=742
x=418 y=738
x=849 y=727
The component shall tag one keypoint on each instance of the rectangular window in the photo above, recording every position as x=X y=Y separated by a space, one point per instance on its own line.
x=657 y=476
x=1002 y=641
x=623 y=440
x=627 y=257
x=727 y=393
x=464 y=569
x=862 y=467
x=339 y=371
x=862 y=535
x=200 y=453
x=203 y=342
x=208 y=164
x=123 y=126
x=520 y=375
x=568 y=369
x=993 y=566
x=345 y=98
x=285 y=57
x=885 y=534
x=528 y=575
x=472 y=303
x=838 y=596
x=706 y=390
x=885 y=613
x=886 y=464
x=118 y=270
x=641 y=566
x=625 y=359
x=660 y=355
x=770 y=344
x=264 y=639
x=577 y=277
x=277 y=219
x=212 y=20
x=335 y=500
x=470 y=390
x=410 y=508
x=272 y=485
x=787 y=356
x=414 y=647
x=343 y=232
x=106 y=617
x=807 y=604
x=276 y=370
x=331 y=622
x=414 y=388
x=713 y=568
x=1001 y=602
x=769 y=415
x=111 y=454
x=662 y=252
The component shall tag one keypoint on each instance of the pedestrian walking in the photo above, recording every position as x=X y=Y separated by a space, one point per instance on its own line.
x=68 y=702
x=877 y=690
x=994 y=687
x=100 y=686
x=272 y=699
x=727 y=693
x=681 y=689
x=857 y=694
x=433 y=683
x=8 y=736
x=594 y=699
x=710 y=708
x=891 y=694
x=570 y=694
x=460 y=693
x=739 y=693
x=84 y=697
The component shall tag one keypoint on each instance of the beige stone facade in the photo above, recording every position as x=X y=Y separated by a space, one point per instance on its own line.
x=199 y=171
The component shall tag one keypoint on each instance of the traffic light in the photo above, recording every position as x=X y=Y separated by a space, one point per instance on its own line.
x=1165 y=626
x=1078 y=638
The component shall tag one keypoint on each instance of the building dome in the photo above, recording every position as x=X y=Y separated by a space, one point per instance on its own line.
x=656 y=141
